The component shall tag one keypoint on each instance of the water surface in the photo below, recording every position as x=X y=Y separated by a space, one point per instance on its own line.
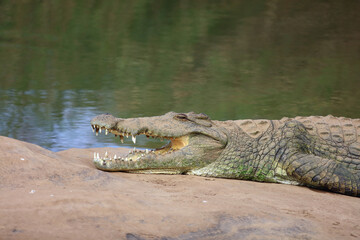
x=64 y=62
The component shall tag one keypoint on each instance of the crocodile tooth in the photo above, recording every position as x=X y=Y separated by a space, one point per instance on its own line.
x=133 y=139
x=147 y=151
x=99 y=130
x=106 y=154
x=122 y=139
x=106 y=132
x=94 y=155
x=97 y=156
x=114 y=156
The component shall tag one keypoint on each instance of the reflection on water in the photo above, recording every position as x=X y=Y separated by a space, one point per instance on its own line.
x=64 y=62
x=56 y=120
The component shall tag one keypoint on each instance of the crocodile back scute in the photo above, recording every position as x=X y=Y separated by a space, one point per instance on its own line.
x=253 y=127
x=335 y=129
x=339 y=130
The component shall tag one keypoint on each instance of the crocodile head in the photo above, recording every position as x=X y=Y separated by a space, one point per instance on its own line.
x=193 y=142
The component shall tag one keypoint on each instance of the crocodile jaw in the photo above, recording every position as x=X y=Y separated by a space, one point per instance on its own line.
x=173 y=158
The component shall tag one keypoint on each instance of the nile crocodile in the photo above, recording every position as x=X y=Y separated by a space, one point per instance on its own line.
x=319 y=152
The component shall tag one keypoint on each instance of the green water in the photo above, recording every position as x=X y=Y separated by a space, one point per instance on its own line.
x=63 y=62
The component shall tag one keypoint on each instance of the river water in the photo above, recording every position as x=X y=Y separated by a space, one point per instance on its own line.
x=64 y=62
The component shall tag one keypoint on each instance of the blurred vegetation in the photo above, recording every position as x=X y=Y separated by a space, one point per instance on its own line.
x=229 y=59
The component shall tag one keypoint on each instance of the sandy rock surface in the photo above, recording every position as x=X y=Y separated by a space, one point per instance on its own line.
x=47 y=195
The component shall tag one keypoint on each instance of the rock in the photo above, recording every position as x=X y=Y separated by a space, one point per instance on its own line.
x=72 y=200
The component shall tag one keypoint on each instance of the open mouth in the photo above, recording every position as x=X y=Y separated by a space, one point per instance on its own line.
x=172 y=144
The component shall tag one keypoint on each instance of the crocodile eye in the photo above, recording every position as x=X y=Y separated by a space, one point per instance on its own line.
x=181 y=117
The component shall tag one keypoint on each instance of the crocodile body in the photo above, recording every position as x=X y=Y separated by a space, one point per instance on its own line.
x=319 y=152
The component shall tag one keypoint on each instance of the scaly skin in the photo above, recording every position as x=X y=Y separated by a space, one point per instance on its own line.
x=319 y=152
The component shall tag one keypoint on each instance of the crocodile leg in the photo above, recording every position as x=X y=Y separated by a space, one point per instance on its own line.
x=323 y=173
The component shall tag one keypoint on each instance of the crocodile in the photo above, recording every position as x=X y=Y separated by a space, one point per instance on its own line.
x=316 y=151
